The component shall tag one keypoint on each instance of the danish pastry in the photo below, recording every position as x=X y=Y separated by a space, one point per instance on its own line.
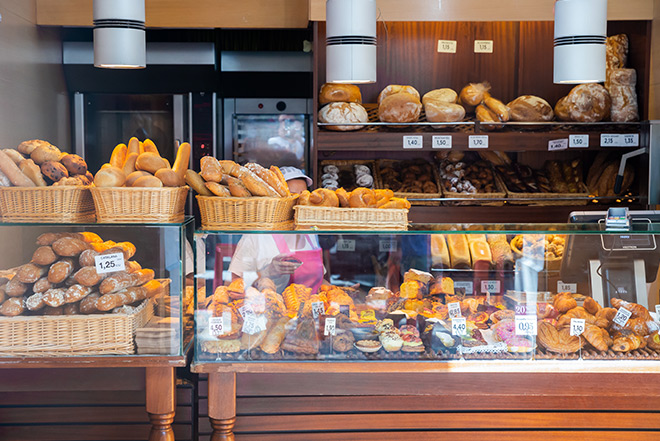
x=362 y=198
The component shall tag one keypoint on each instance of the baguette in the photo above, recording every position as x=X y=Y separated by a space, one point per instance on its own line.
x=129 y=164
x=255 y=184
x=211 y=170
x=123 y=280
x=230 y=167
x=13 y=307
x=236 y=188
x=498 y=107
x=182 y=159
x=126 y=296
x=88 y=304
x=269 y=178
x=118 y=156
x=149 y=146
x=133 y=146
x=75 y=293
x=280 y=176
x=11 y=170
x=196 y=182
x=88 y=276
x=217 y=189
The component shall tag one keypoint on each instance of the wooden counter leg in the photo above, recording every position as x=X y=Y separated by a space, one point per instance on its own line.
x=161 y=402
x=222 y=405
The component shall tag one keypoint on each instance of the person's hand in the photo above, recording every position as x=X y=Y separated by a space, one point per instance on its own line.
x=282 y=264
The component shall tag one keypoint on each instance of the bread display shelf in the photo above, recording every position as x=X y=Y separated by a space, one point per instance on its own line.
x=581 y=198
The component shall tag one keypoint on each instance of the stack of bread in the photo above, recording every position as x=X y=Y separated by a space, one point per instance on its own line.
x=399 y=104
x=476 y=96
x=61 y=278
x=38 y=163
x=461 y=251
x=601 y=176
x=621 y=82
x=140 y=165
x=410 y=176
x=359 y=198
x=440 y=105
x=342 y=103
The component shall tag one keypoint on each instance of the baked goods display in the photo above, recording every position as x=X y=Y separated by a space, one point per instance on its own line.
x=440 y=105
x=620 y=82
x=409 y=176
x=358 y=198
x=341 y=104
x=465 y=173
x=601 y=176
x=585 y=103
x=346 y=174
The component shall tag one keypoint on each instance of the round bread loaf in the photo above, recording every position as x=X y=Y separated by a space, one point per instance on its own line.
x=530 y=108
x=338 y=113
x=585 y=103
x=474 y=93
x=110 y=177
x=395 y=88
x=445 y=95
x=400 y=108
x=339 y=93
x=439 y=111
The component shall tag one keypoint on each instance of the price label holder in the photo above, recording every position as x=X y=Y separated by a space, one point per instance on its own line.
x=109 y=263
x=441 y=141
x=478 y=141
x=618 y=140
x=566 y=287
x=387 y=245
x=609 y=140
x=630 y=140
x=657 y=313
x=459 y=326
x=346 y=245
x=622 y=316
x=220 y=325
x=317 y=309
x=577 y=327
x=483 y=46
x=330 y=326
x=454 y=309
x=578 y=141
x=413 y=142
x=466 y=286
x=447 y=46
x=557 y=144
x=490 y=286
x=526 y=325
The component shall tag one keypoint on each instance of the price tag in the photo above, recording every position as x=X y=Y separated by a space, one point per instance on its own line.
x=345 y=309
x=622 y=316
x=447 y=46
x=610 y=140
x=557 y=144
x=346 y=245
x=483 y=46
x=657 y=313
x=566 y=287
x=478 y=141
x=467 y=286
x=577 y=326
x=458 y=326
x=330 y=323
x=490 y=286
x=317 y=309
x=454 y=309
x=220 y=325
x=441 y=141
x=525 y=325
x=387 y=245
x=630 y=140
x=413 y=142
x=578 y=141
x=109 y=263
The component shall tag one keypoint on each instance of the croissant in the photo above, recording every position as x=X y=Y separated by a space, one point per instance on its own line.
x=579 y=313
x=564 y=301
x=627 y=341
x=323 y=197
x=606 y=315
x=637 y=325
x=362 y=198
x=597 y=337
x=396 y=203
x=638 y=311
x=591 y=305
x=342 y=195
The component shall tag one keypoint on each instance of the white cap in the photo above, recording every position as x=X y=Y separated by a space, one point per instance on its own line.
x=295 y=173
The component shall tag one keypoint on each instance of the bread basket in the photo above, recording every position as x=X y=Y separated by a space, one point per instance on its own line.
x=335 y=218
x=139 y=205
x=252 y=213
x=65 y=204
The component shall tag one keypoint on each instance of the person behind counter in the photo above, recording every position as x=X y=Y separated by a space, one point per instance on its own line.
x=283 y=258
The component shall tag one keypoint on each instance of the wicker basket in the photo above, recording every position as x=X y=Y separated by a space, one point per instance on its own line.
x=422 y=198
x=347 y=165
x=255 y=213
x=64 y=335
x=66 y=204
x=542 y=199
x=331 y=218
x=479 y=198
x=125 y=204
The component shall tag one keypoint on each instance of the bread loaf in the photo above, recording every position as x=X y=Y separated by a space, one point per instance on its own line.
x=439 y=111
x=445 y=95
x=616 y=55
x=530 y=108
x=269 y=177
x=585 y=103
x=149 y=161
x=118 y=156
x=473 y=94
x=256 y=185
x=484 y=114
x=30 y=273
x=394 y=89
x=130 y=179
x=195 y=181
x=60 y=271
x=622 y=84
x=339 y=93
x=44 y=256
x=497 y=107
x=480 y=254
x=129 y=164
x=15 y=155
x=170 y=178
x=459 y=251
x=341 y=113
x=439 y=252
x=211 y=171
x=11 y=170
x=217 y=189
x=400 y=108
x=33 y=172
x=148 y=181
x=110 y=177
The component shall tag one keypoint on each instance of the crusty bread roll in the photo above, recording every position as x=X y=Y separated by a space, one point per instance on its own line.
x=11 y=170
x=395 y=88
x=151 y=162
x=585 y=103
x=110 y=177
x=32 y=171
x=530 y=108
x=484 y=114
x=148 y=181
x=256 y=185
x=474 y=93
x=497 y=107
x=400 y=108
x=438 y=111
x=197 y=183
x=170 y=178
x=622 y=84
x=339 y=93
x=338 y=113
x=131 y=178
x=445 y=95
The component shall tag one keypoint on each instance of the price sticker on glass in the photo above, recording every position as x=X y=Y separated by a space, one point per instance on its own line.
x=467 y=287
x=525 y=325
x=458 y=326
x=566 y=287
x=330 y=326
x=109 y=263
x=454 y=309
x=387 y=245
x=490 y=286
x=317 y=309
x=577 y=326
x=220 y=325
x=346 y=245
x=622 y=316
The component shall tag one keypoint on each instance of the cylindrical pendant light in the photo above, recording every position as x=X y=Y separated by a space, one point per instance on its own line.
x=350 y=41
x=580 y=35
x=119 y=35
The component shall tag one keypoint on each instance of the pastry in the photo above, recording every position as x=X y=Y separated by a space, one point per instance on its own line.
x=368 y=345
x=653 y=341
x=564 y=302
x=627 y=341
x=362 y=198
x=343 y=342
x=597 y=337
x=591 y=306
x=559 y=341
x=391 y=341
x=442 y=285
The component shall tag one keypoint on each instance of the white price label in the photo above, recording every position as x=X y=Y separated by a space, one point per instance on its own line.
x=557 y=144
x=441 y=141
x=577 y=326
x=622 y=316
x=454 y=309
x=526 y=325
x=458 y=326
x=483 y=46
x=566 y=287
x=247 y=312
x=610 y=140
x=657 y=313
x=467 y=286
x=490 y=286
x=318 y=309
x=630 y=140
x=109 y=263
x=578 y=141
x=330 y=326
x=220 y=325
x=387 y=245
x=413 y=142
x=447 y=46
x=345 y=245
x=478 y=141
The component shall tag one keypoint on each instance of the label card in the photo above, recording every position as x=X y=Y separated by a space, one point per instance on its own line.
x=578 y=141
x=346 y=245
x=478 y=141
x=317 y=309
x=657 y=313
x=330 y=323
x=447 y=46
x=454 y=309
x=614 y=140
x=483 y=46
x=608 y=140
x=413 y=142
x=557 y=144
x=577 y=326
x=441 y=141
x=566 y=287
x=387 y=245
x=490 y=286
x=630 y=140
x=458 y=326
x=467 y=286
x=622 y=316
x=526 y=325
x=109 y=263
x=246 y=312
x=220 y=325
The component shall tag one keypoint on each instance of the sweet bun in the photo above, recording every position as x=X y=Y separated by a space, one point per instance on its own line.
x=110 y=177
x=54 y=170
x=342 y=195
x=445 y=95
x=74 y=164
x=400 y=108
x=323 y=197
x=395 y=88
x=339 y=93
x=131 y=178
x=27 y=147
x=44 y=153
x=362 y=198
x=439 y=111
x=530 y=108
x=338 y=113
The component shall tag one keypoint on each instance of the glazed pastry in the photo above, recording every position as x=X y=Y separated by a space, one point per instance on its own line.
x=323 y=197
x=391 y=341
x=653 y=341
x=627 y=341
x=396 y=203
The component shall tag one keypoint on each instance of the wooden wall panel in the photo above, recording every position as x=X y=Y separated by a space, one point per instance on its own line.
x=654 y=89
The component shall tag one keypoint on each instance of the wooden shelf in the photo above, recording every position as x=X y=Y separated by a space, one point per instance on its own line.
x=99 y=361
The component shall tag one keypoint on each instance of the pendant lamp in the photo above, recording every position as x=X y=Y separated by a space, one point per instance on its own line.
x=119 y=34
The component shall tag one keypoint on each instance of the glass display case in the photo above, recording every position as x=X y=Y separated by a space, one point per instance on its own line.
x=440 y=292
x=95 y=289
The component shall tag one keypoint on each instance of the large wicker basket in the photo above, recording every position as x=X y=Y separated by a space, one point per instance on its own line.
x=331 y=218
x=66 y=204
x=254 y=213
x=64 y=335
x=126 y=204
